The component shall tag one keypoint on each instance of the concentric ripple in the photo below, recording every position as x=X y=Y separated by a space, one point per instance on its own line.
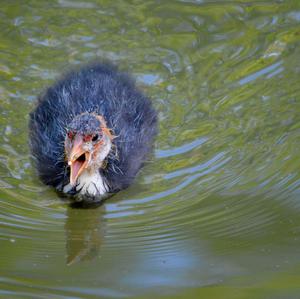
x=217 y=206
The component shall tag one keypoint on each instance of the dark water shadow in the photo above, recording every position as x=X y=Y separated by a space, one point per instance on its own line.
x=85 y=231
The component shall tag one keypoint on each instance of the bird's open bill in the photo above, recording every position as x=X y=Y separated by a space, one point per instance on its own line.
x=78 y=160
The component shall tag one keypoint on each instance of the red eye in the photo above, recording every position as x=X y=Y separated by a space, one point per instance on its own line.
x=70 y=134
x=87 y=138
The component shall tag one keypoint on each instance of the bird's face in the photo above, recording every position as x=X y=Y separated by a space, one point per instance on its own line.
x=87 y=144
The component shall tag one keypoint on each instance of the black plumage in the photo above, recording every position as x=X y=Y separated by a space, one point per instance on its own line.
x=99 y=89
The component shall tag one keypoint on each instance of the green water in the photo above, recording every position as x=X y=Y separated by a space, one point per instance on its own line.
x=215 y=213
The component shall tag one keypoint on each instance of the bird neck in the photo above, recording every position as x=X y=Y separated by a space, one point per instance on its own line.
x=91 y=182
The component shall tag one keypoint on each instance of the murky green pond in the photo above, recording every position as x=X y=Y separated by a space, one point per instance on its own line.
x=215 y=213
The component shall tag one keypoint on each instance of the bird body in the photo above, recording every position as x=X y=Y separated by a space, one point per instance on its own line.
x=91 y=132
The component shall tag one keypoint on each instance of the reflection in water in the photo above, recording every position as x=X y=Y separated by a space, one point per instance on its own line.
x=84 y=234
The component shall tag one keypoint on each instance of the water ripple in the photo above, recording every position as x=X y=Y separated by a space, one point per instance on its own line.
x=181 y=149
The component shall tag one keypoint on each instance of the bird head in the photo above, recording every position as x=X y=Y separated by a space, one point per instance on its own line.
x=88 y=141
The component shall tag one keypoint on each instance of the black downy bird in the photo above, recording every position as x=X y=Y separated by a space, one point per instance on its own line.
x=91 y=132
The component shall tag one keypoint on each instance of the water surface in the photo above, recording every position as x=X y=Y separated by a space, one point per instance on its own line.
x=215 y=213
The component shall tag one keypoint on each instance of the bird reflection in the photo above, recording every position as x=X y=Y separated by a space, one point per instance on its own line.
x=84 y=233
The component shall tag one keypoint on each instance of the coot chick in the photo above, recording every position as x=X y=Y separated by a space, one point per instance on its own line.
x=91 y=132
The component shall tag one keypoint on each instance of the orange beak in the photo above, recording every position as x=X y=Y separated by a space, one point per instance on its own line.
x=78 y=159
